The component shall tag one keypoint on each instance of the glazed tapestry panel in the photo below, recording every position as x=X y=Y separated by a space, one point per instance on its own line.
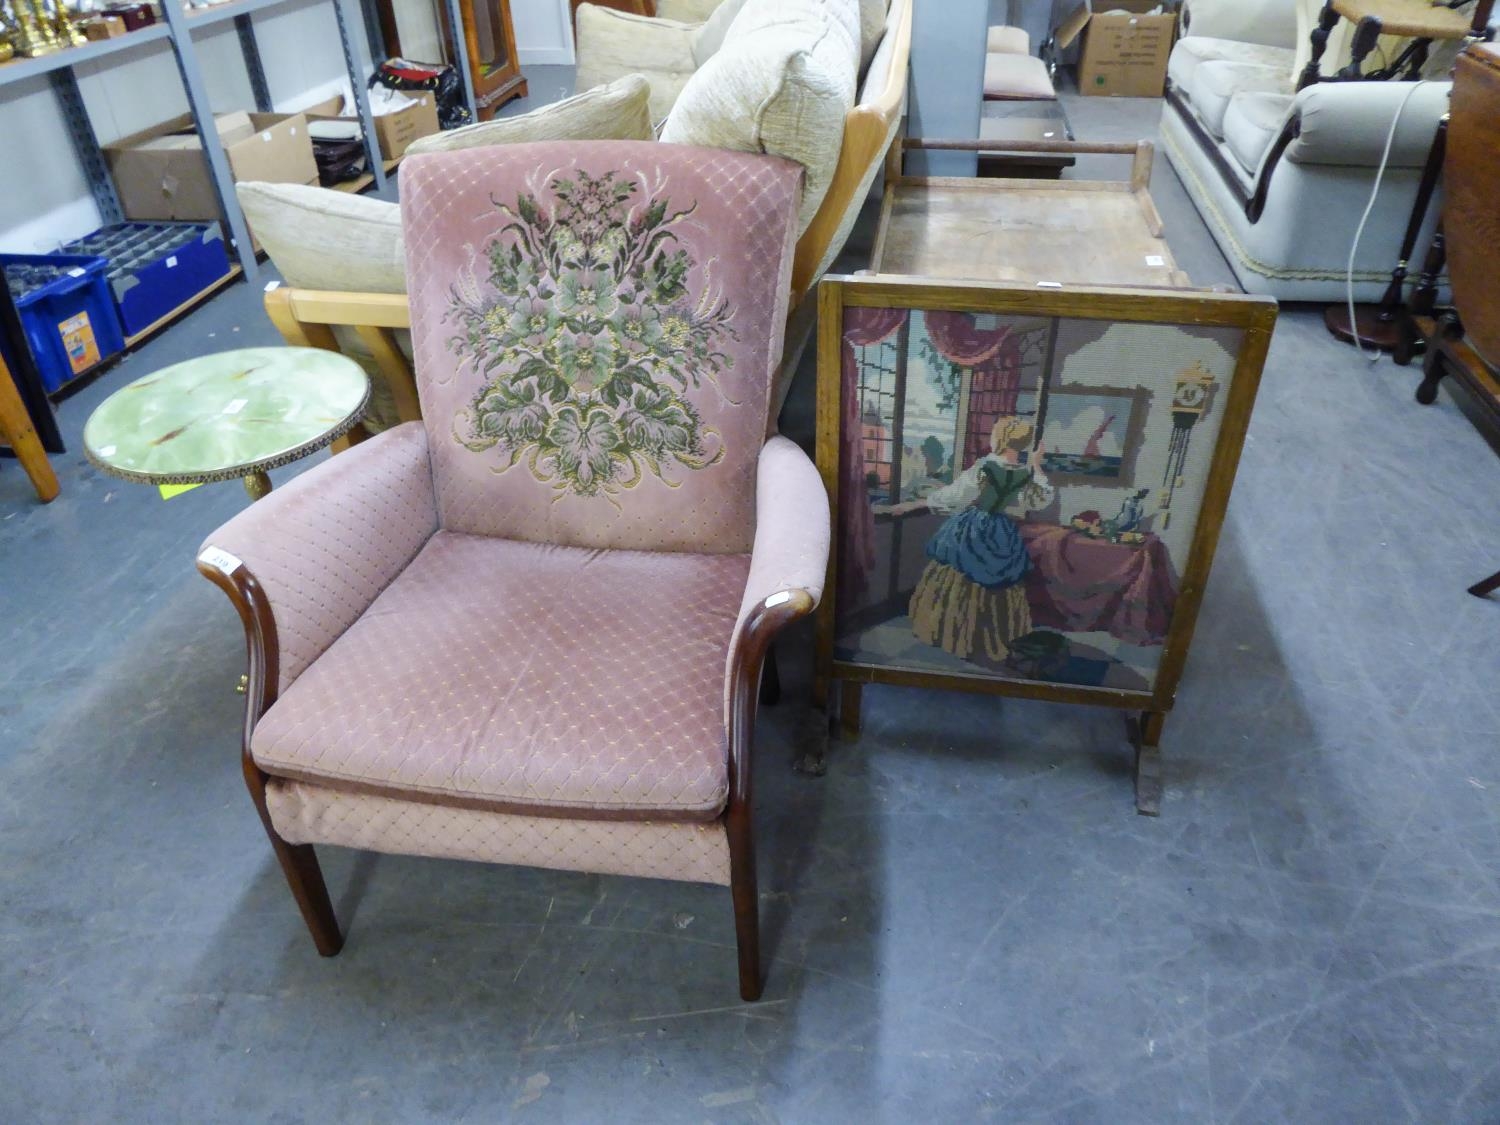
x=1019 y=495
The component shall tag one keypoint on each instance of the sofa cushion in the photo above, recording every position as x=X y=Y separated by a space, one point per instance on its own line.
x=1016 y=78
x=1251 y=123
x=324 y=239
x=1194 y=51
x=525 y=677
x=1214 y=83
x=617 y=111
x=782 y=84
x=711 y=35
x=1007 y=41
x=872 y=17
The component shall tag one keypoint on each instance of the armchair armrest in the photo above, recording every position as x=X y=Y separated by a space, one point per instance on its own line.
x=303 y=563
x=612 y=44
x=1348 y=122
x=790 y=555
x=788 y=566
x=1271 y=23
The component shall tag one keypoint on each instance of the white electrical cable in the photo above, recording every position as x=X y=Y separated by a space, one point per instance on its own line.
x=1373 y=357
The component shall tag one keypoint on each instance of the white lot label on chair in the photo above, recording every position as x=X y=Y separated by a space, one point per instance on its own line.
x=172 y=262
x=1155 y=260
x=1049 y=285
x=235 y=406
x=219 y=559
x=76 y=272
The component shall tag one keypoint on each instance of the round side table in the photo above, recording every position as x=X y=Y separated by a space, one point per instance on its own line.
x=226 y=415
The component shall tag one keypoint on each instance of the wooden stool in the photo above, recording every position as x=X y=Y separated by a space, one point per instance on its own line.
x=16 y=429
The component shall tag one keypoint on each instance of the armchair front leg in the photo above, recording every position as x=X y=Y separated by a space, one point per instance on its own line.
x=787 y=569
x=300 y=567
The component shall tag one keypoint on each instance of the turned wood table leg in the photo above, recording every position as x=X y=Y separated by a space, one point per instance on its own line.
x=1327 y=18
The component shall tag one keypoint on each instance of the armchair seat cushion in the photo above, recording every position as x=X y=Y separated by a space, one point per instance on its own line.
x=1252 y=122
x=525 y=678
x=1214 y=84
x=1193 y=51
x=1010 y=77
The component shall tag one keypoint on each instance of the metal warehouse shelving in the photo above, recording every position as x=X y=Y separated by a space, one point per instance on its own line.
x=176 y=29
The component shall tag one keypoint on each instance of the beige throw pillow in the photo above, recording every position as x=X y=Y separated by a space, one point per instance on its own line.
x=782 y=84
x=322 y=239
x=613 y=112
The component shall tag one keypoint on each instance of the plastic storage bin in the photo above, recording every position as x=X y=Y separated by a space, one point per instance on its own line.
x=155 y=267
x=67 y=312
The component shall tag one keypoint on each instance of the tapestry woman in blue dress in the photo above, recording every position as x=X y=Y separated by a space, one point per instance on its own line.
x=970 y=600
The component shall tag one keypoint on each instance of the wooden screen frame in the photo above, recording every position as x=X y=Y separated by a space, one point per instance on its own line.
x=1255 y=316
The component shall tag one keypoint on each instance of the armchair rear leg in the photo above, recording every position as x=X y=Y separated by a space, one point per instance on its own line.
x=746 y=894
x=851 y=695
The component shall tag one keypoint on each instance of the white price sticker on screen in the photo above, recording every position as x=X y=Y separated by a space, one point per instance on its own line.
x=236 y=406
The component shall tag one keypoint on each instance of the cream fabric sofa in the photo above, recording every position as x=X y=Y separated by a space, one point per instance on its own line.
x=761 y=95
x=683 y=35
x=1281 y=177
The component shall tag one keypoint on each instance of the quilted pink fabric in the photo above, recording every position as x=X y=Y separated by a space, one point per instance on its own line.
x=596 y=328
x=326 y=543
x=315 y=814
x=518 y=677
x=791 y=533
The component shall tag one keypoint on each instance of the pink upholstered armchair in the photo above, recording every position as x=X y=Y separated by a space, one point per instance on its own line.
x=530 y=628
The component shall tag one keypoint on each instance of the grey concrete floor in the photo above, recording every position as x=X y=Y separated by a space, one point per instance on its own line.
x=966 y=919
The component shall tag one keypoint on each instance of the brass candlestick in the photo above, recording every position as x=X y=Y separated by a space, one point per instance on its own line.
x=40 y=32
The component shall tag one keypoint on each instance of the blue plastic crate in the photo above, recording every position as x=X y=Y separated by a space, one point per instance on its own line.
x=67 y=311
x=155 y=267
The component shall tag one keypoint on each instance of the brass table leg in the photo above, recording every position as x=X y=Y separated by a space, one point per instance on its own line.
x=258 y=485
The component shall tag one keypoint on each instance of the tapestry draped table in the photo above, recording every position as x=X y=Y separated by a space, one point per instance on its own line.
x=231 y=414
x=1082 y=584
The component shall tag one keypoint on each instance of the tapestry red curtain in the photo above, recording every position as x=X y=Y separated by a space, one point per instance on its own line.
x=995 y=359
x=856 y=558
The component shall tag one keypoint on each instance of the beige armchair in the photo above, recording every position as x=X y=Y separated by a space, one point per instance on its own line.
x=530 y=629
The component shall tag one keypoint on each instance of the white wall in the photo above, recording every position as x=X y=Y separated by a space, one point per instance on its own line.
x=132 y=90
x=544 y=32
x=947 y=79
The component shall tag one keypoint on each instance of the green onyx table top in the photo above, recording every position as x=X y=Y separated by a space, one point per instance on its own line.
x=226 y=415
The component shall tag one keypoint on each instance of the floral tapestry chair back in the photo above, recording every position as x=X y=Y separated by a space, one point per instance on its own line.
x=596 y=328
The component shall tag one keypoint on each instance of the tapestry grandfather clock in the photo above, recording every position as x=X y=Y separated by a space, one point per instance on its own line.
x=488 y=35
x=1190 y=395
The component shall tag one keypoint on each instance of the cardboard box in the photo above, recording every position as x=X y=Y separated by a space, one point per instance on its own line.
x=102 y=27
x=1125 y=48
x=395 y=131
x=161 y=172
